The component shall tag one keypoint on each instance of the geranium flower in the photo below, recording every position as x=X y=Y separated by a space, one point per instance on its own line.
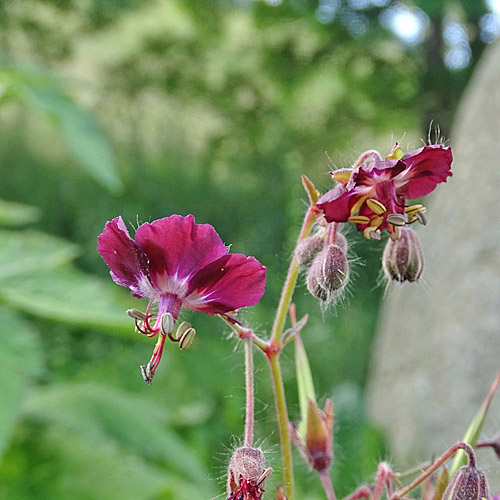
x=374 y=192
x=176 y=263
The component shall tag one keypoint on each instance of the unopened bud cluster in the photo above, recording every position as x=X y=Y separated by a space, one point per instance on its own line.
x=327 y=266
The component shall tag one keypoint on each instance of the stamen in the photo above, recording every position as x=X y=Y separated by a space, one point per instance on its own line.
x=355 y=208
x=187 y=338
x=371 y=233
x=148 y=371
x=413 y=208
x=136 y=314
x=376 y=221
x=167 y=323
x=420 y=215
x=395 y=234
x=397 y=219
x=264 y=476
x=183 y=327
x=359 y=219
x=375 y=206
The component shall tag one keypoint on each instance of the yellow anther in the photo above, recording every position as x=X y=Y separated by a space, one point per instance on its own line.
x=359 y=219
x=371 y=233
x=358 y=204
x=413 y=208
x=376 y=221
x=396 y=233
x=375 y=206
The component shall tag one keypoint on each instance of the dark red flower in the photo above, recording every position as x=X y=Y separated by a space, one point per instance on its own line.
x=176 y=263
x=373 y=194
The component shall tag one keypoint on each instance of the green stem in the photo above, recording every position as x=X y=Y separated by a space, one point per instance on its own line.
x=282 y=414
x=291 y=280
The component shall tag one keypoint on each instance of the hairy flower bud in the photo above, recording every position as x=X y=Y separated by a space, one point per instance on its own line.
x=307 y=249
x=403 y=259
x=247 y=474
x=328 y=273
x=469 y=483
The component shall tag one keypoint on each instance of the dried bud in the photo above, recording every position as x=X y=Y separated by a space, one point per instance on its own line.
x=318 y=442
x=328 y=273
x=469 y=483
x=403 y=259
x=307 y=249
x=247 y=474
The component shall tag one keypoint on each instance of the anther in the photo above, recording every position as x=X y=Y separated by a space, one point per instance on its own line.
x=147 y=373
x=136 y=314
x=420 y=215
x=187 y=338
x=264 y=476
x=371 y=234
x=396 y=233
x=376 y=221
x=375 y=206
x=397 y=219
x=167 y=323
x=413 y=208
x=183 y=328
x=359 y=219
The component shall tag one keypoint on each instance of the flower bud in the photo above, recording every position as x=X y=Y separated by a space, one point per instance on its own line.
x=403 y=259
x=469 y=483
x=317 y=443
x=328 y=273
x=247 y=472
x=307 y=249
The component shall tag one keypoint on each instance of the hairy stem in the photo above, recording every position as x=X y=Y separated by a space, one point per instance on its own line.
x=282 y=414
x=249 y=418
x=291 y=280
x=440 y=461
x=326 y=481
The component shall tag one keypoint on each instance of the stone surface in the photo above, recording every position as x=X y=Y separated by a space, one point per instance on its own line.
x=438 y=345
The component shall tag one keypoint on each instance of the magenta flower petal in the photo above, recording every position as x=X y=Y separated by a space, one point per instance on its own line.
x=229 y=283
x=336 y=204
x=128 y=264
x=177 y=247
x=426 y=168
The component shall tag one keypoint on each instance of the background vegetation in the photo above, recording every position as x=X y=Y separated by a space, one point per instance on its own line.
x=212 y=108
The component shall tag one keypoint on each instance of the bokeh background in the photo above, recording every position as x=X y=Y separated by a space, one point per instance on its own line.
x=215 y=108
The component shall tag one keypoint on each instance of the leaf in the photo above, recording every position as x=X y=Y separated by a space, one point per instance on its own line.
x=133 y=422
x=14 y=214
x=20 y=361
x=69 y=296
x=28 y=251
x=475 y=428
x=43 y=92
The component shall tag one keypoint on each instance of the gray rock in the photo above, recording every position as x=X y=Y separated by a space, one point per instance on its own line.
x=438 y=345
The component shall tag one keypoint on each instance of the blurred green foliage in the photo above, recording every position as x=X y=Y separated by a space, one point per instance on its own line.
x=210 y=108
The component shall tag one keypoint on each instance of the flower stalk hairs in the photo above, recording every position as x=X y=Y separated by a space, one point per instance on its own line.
x=174 y=262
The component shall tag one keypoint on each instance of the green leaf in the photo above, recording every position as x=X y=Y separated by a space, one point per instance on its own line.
x=88 y=145
x=20 y=361
x=475 y=428
x=14 y=214
x=69 y=296
x=133 y=422
x=305 y=382
x=28 y=251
